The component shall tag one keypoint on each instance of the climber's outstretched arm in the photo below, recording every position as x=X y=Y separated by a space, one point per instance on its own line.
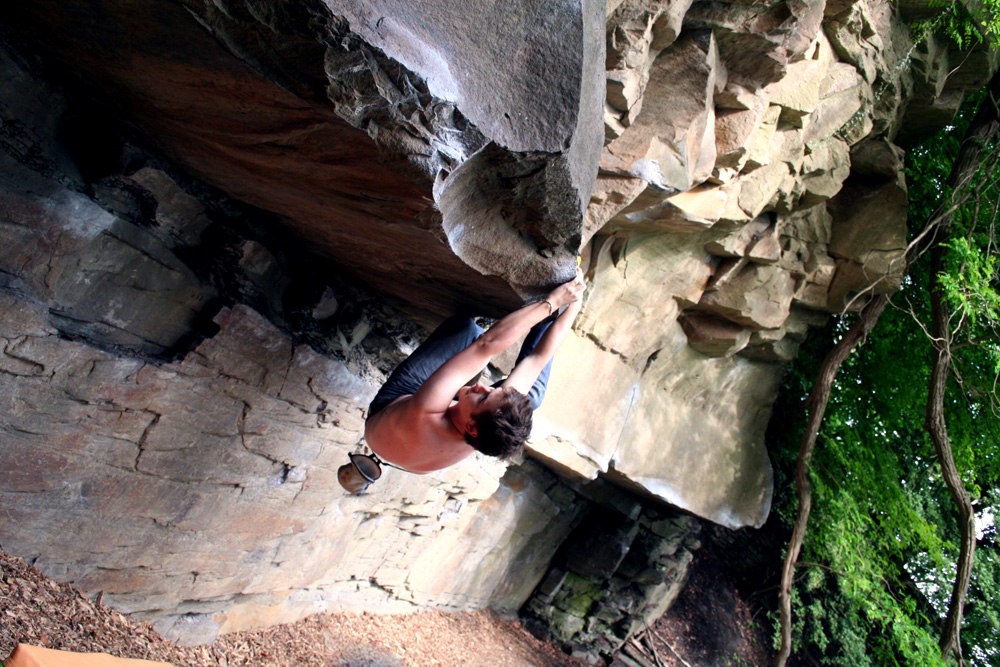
x=523 y=377
x=436 y=394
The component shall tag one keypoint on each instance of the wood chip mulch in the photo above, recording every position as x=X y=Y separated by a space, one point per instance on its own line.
x=35 y=610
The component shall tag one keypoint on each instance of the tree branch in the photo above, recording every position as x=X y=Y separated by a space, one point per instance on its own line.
x=818 y=400
x=982 y=131
x=969 y=159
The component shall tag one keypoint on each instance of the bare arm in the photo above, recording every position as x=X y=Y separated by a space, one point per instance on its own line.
x=436 y=394
x=528 y=369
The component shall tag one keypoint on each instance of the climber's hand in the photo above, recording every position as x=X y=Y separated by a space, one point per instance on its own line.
x=569 y=292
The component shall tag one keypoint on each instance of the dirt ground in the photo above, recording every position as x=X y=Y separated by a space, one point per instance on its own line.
x=709 y=626
x=35 y=610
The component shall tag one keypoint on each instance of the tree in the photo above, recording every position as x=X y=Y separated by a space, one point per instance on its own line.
x=959 y=286
x=979 y=139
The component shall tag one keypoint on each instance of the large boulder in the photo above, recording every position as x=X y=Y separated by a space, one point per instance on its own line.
x=734 y=210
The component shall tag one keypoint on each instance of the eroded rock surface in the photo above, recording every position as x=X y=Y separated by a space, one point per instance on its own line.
x=184 y=364
x=749 y=187
x=353 y=121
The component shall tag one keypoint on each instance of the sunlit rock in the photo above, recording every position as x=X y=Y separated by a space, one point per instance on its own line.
x=183 y=352
x=825 y=166
x=756 y=296
x=694 y=210
x=712 y=336
x=798 y=90
x=672 y=144
x=638 y=30
x=736 y=131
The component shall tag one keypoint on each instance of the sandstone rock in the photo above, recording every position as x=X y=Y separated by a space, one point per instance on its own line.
x=444 y=155
x=877 y=157
x=787 y=146
x=736 y=96
x=814 y=292
x=803 y=236
x=623 y=91
x=611 y=194
x=757 y=189
x=734 y=487
x=742 y=242
x=175 y=452
x=825 y=167
x=734 y=131
x=639 y=432
x=105 y=278
x=613 y=125
x=123 y=289
x=672 y=145
x=812 y=226
x=642 y=585
x=779 y=35
x=697 y=209
x=298 y=154
x=488 y=226
x=844 y=97
x=864 y=35
x=933 y=104
x=767 y=248
x=637 y=31
x=756 y=296
x=759 y=149
x=870 y=256
x=626 y=274
x=782 y=344
x=712 y=336
x=798 y=90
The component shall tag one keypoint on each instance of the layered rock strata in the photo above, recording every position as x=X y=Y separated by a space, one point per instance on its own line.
x=749 y=186
x=181 y=376
x=409 y=142
x=180 y=455
x=614 y=577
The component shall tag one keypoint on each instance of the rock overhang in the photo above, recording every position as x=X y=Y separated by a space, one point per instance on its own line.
x=726 y=213
x=340 y=117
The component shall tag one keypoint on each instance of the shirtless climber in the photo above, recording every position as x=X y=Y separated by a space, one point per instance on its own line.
x=425 y=418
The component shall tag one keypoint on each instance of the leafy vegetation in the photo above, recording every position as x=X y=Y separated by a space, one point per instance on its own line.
x=966 y=23
x=873 y=582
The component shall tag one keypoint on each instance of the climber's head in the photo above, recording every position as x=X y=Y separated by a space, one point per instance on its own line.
x=502 y=425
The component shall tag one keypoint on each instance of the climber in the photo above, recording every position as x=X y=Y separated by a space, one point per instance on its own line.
x=425 y=417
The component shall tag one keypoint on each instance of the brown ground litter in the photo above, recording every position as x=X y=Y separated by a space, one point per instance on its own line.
x=35 y=610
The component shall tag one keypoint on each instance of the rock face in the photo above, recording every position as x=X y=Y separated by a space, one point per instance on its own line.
x=202 y=494
x=213 y=214
x=360 y=123
x=615 y=578
x=747 y=157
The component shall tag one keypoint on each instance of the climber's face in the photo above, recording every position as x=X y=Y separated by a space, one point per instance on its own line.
x=476 y=400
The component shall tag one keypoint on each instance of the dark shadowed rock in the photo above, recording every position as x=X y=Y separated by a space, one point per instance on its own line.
x=339 y=118
x=214 y=211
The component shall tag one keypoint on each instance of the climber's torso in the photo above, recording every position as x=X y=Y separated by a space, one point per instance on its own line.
x=418 y=441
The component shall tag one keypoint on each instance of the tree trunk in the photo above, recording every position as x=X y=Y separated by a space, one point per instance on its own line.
x=938 y=429
x=818 y=400
x=980 y=134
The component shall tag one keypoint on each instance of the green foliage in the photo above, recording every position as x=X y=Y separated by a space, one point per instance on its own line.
x=879 y=558
x=965 y=29
x=983 y=620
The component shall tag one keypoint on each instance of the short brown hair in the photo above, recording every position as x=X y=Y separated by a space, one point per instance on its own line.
x=503 y=431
